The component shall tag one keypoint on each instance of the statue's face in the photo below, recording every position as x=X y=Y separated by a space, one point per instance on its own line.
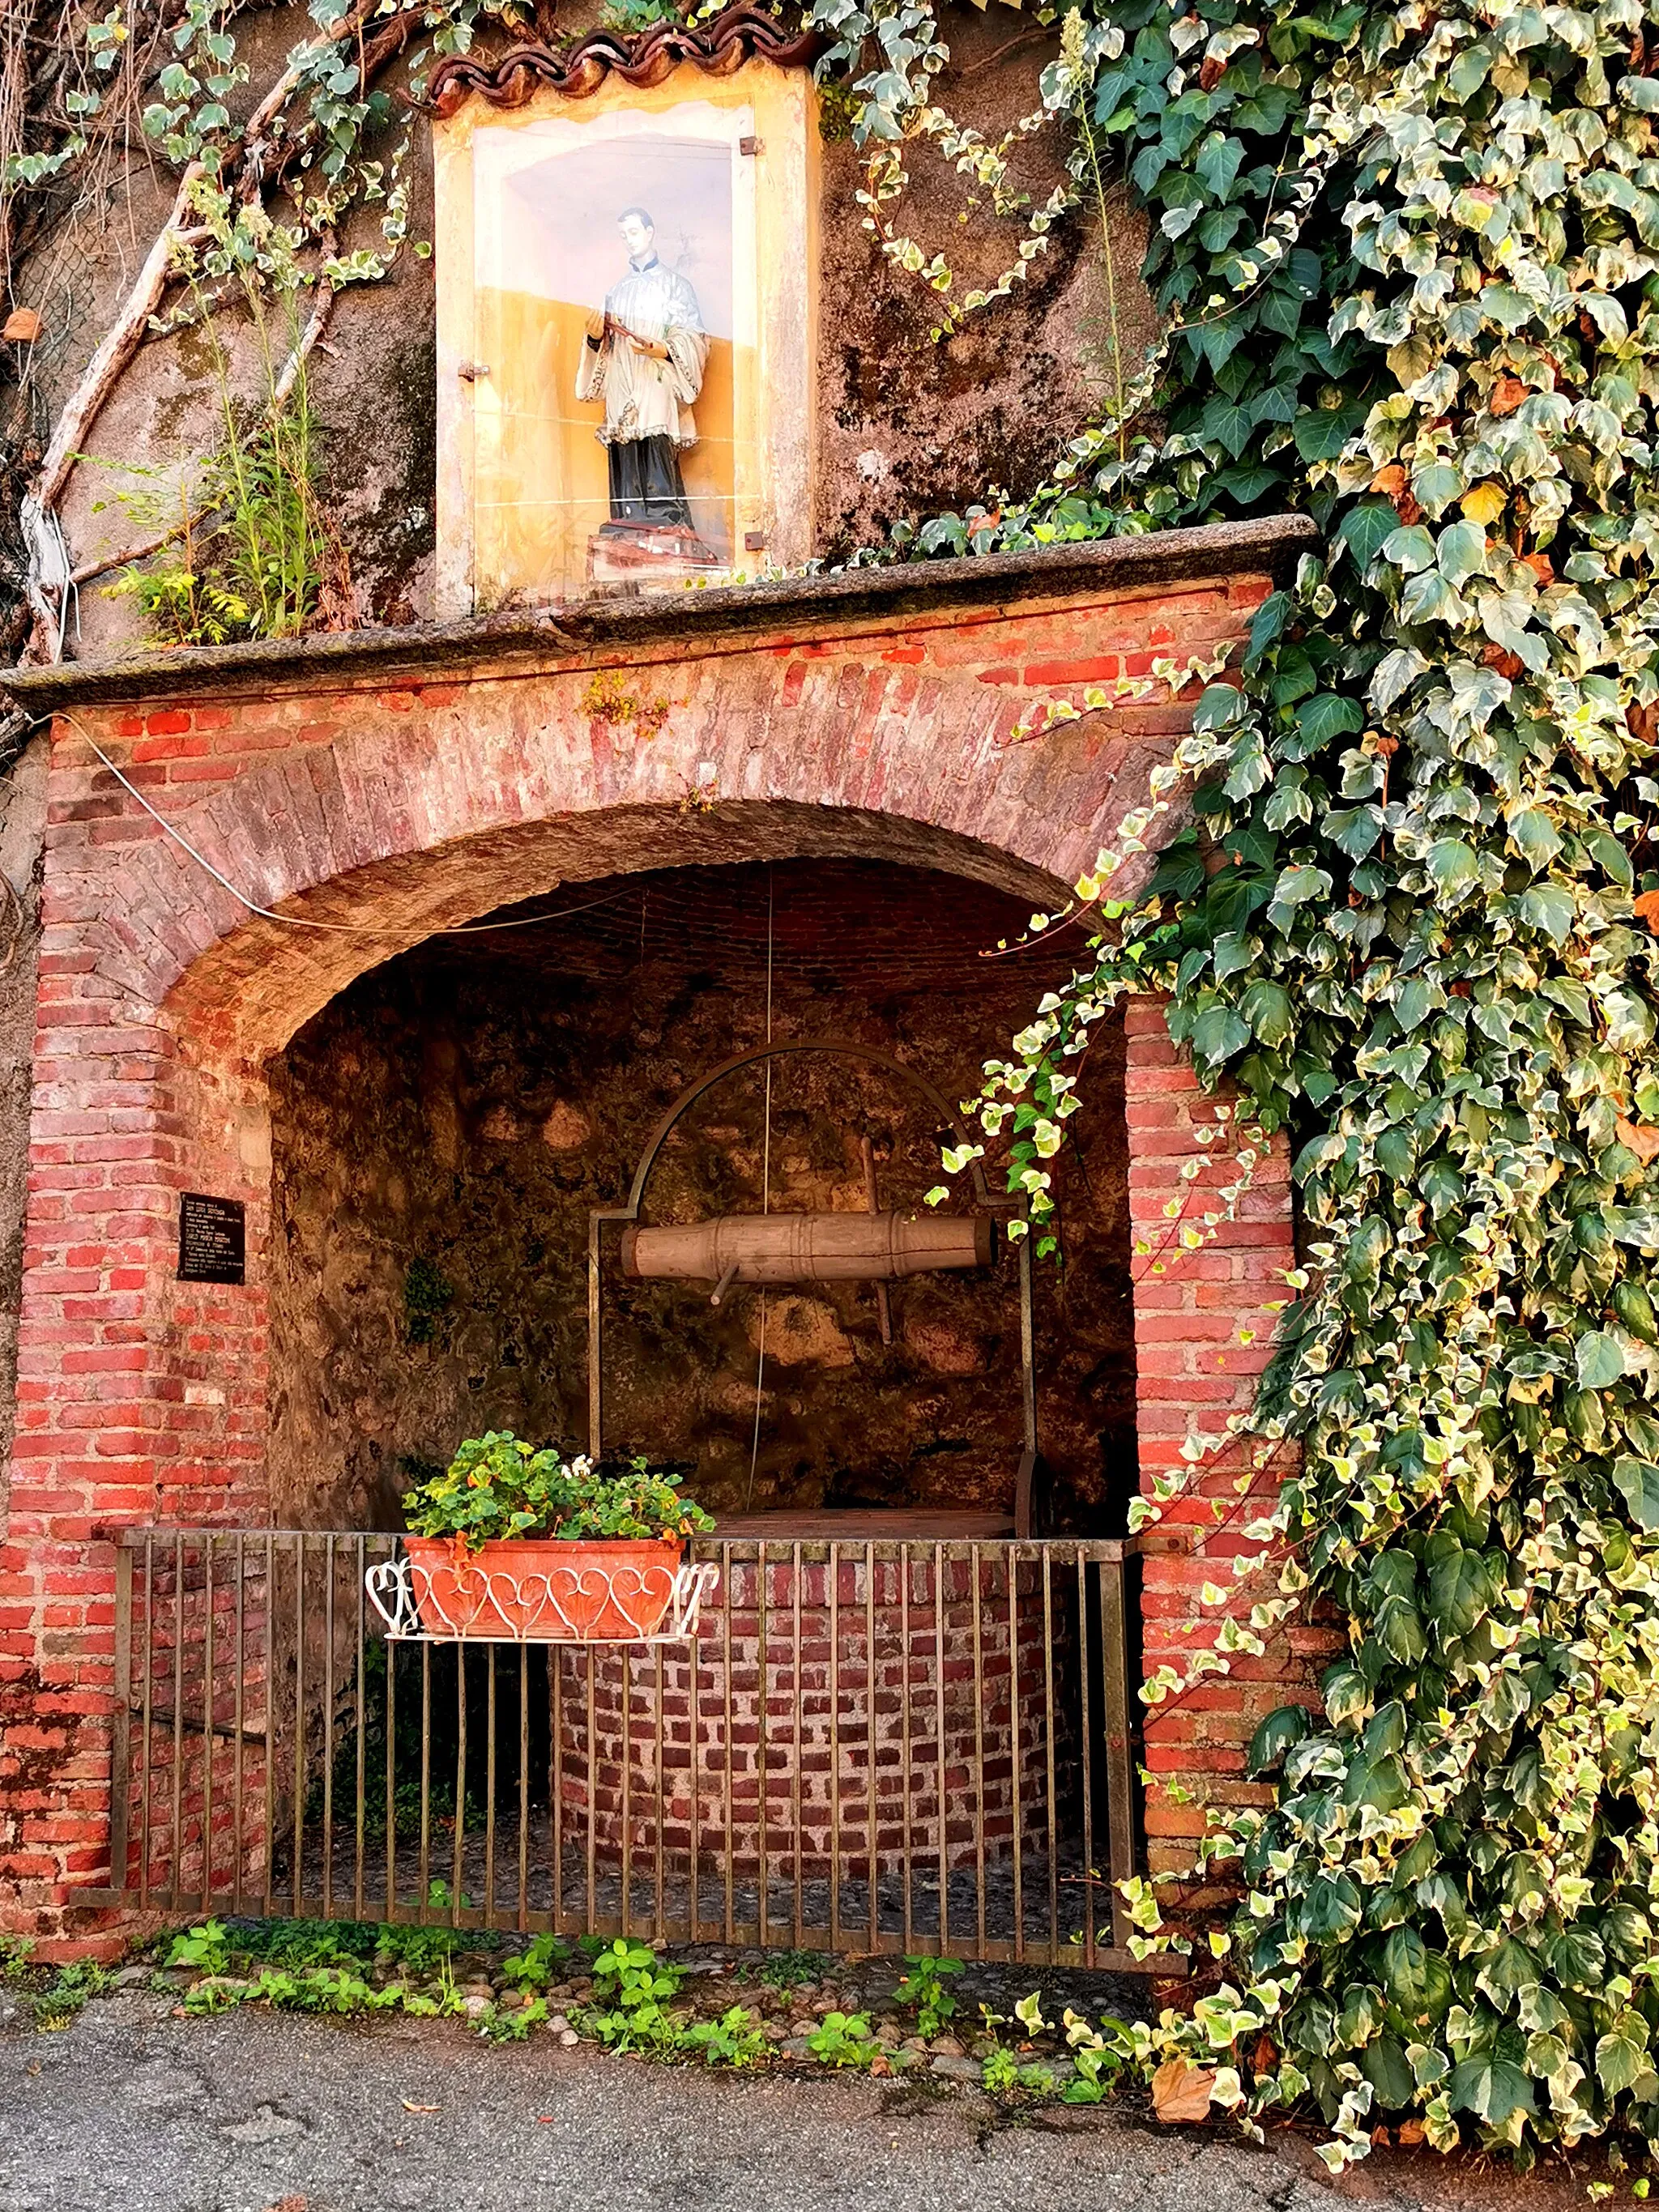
x=636 y=235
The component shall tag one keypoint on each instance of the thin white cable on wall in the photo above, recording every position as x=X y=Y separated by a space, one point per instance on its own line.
x=415 y=931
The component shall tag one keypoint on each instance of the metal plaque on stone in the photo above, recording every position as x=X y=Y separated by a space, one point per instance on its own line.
x=212 y=1239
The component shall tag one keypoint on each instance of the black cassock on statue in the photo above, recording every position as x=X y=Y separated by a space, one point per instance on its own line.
x=646 y=483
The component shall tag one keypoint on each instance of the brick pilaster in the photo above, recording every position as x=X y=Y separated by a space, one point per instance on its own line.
x=1193 y=1309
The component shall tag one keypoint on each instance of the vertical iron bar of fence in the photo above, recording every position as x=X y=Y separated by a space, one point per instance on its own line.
x=208 y=1714
x=268 y=1767
x=299 y=1722
x=1088 y=1761
x=522 y=1921
x=358 y=1695
x=489 y=1789
x=1050 y=1704
x=593 y=1810
x=694 y=1776
x=871 y=1564
x=239 y=1720
x=979 y=1750
x=149 y=1684
x=1119 y=1763
x=835 y=1746
x=120 y=1721
x=458 y=1867
x=762 y=1754
x=908 y=1777
x=328 y=1726
x=726 y=1611
x=659 y=1930
x=627 y=1665
x=944 y=1773
x=1018 y=1760
x=391 y=1780
x=798 y=1685
x=423 y=1866
x=178 y=1833
x=556 y=1778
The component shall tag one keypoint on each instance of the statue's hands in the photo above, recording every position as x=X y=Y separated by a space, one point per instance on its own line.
x=596 y=325
x=651 y=347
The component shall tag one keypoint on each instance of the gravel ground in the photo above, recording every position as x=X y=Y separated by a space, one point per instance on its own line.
x=131 y=2110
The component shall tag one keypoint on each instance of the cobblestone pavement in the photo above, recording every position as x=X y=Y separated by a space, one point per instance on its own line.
x=131 y=2110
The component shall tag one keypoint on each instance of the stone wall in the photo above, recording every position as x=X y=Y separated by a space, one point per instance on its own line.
x=441 y=1130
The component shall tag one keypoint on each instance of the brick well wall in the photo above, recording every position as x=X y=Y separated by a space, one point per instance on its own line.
x=383 y=814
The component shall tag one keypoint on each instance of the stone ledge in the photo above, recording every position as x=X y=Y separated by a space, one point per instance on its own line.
x=698 y=623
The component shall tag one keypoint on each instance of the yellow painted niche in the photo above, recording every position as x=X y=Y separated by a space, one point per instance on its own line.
x=526 y=243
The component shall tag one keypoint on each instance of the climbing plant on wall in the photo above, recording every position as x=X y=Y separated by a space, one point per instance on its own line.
x=1410 y=256
x=1409 y=261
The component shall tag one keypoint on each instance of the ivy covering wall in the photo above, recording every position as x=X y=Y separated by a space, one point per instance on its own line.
x=1409 y=255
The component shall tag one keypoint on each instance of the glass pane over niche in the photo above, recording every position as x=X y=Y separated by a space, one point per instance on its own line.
x=624 y=364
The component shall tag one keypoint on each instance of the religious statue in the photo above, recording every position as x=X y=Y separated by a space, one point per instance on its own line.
x=644 y=359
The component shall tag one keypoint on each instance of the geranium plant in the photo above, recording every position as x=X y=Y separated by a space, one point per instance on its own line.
x=498 y=1486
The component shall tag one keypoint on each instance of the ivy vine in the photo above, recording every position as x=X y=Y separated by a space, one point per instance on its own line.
x=1409 y=258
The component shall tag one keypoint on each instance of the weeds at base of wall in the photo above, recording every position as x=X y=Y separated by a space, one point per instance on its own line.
x=790 y=2009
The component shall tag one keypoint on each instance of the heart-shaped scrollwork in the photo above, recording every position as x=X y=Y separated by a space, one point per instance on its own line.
x=562 y=1603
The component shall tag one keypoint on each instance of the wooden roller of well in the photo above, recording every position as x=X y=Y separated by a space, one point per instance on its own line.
x=806 y=1247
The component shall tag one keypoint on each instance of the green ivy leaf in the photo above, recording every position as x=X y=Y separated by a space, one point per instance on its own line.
x=1460 y=1587
x=1622 y=2055
x=1417 y=1980
x=1453 y=866
x=1638 y=1482
x=1599 y=1360
x=1321 y=435
x=1491 y=2087
x=1460 y=552
x=1365 y=529
x=1327 y=716
x=1218 y=162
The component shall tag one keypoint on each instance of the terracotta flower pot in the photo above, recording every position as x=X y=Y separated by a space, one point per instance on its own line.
x=602 y=1591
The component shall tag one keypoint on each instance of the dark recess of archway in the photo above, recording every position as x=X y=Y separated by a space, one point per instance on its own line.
x=441 y=1128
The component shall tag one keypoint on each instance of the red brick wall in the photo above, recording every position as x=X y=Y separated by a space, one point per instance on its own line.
x=802 y=1718
x=392 y=812
x=1204 y=1331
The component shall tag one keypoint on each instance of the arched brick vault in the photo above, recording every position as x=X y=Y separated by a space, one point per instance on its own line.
x=336 y=800
x=425 y=821
x=262 y=980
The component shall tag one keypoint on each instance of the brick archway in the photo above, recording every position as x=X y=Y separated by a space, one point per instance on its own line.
x=367 y=816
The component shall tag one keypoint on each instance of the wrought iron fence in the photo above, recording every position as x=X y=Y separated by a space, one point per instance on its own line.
x=902 y=1746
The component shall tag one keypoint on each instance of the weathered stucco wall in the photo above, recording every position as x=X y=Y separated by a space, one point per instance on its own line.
x=905 y=426
x=440 y=1131
x=909 y=427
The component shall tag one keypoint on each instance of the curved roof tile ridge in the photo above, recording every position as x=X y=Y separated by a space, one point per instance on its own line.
x=718 y=48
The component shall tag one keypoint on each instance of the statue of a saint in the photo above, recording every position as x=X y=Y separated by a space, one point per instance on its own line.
x=644 y=357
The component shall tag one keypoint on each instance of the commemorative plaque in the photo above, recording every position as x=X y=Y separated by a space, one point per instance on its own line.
x=212 y=1239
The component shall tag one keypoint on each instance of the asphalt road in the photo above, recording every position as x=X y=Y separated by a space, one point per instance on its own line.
x=131 y=2110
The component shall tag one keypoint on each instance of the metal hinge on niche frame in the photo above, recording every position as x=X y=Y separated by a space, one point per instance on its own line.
x=548 y=1618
